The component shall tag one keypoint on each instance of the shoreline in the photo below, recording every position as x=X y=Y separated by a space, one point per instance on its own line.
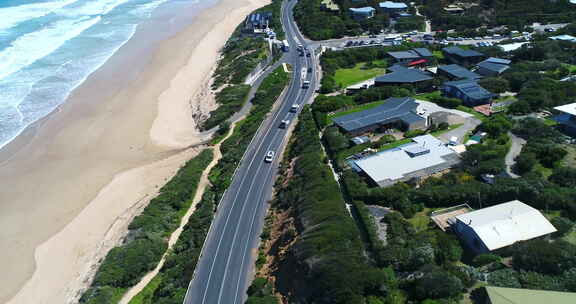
x=98 y=159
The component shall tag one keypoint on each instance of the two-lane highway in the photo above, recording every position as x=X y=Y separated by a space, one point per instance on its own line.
x=224 y=268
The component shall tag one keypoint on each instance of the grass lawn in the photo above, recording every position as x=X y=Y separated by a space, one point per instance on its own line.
x=450 y=128
x=546 y=172
x=359 y=108
x=421 y=220
x=438 y=55
x=471 y=111
x=346 y=77
x=549 y=122
x=145 y=295
x=395 y=144
x=571 y=67
x=427 y=96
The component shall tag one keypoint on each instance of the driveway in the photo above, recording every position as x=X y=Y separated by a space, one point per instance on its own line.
x=470 y=122
x=515 y=149
x=460 y=132
x=430 y=107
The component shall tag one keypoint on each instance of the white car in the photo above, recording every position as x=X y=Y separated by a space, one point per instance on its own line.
x=294 y=108
x=269 y=157
x=284 y=123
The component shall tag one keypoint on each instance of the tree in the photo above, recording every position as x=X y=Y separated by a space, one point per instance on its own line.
x=335 y=140
x=562 y=225
x=564 y=176
x=520 y=107
x=447 y=102
x=437 y=284
x=504 y=278
x=525 y=162
x=495 y=84
x=496 y=125
x=544 y=257
x=485 y=259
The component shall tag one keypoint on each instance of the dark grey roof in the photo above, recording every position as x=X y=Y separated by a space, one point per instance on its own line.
x=498 y=60
x=402 y=74
x=424 y=52
x=392 y=110
x=454 y=50
x=499 y=68
x=458 y=71
x=470 y=88
x=404 y=55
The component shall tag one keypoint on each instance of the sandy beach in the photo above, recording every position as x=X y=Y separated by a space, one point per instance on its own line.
x=72 y=183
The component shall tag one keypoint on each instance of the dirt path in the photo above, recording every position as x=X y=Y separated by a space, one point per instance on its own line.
x=132 y=292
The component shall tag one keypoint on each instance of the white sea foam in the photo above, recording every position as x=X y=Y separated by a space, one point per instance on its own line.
x=14 y=15
x=101 y=7
x=46 y=57
x=30 y=47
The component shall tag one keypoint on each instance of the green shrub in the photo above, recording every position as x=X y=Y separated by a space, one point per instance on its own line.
x=485 y=259
x=125 y=265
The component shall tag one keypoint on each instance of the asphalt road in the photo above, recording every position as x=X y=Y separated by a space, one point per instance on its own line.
x=226 y=265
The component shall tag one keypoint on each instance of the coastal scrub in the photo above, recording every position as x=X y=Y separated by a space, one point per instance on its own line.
x=146 y=241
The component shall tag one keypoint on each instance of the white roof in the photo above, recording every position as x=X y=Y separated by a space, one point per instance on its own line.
x=564 y=38
x=568 y=108
x=504 y=224
x=393 y=164
x=511 y=46
x=391 y=4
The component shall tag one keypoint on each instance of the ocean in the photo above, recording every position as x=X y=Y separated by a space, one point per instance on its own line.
x=50 y=47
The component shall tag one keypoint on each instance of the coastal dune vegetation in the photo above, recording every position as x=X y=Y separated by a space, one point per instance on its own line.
x=241 y=55
x=146 y=240
x=171 y=284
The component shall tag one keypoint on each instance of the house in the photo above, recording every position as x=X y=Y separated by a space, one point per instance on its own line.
x=257 y=22
x=411 y=57
x=492 y=67
x=567 y=118
x=564 y=38
x=400 y=75
x=393 y=8
x=414 y=161
x=502 y=295
x=469 y=91
x=463 y=57
x=362 y=13
x=498 y=226
x=453 y=9
x=456 y=72
x=329 y=6
x=511 y=46
x=395 y=112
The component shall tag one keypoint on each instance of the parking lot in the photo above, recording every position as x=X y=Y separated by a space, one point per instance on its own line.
x=398 y=39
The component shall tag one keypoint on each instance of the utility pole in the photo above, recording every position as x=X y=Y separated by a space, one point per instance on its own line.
x=479 y=200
